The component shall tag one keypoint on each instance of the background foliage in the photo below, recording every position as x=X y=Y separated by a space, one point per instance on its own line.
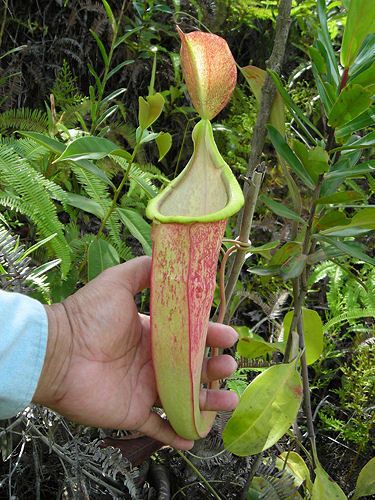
x=70 y=71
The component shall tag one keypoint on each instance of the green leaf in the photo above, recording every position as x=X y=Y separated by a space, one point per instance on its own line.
x=137 y=227
x=256 y=77
x=313 y=333
x=164 y=143
x=266 y=410
x=362 y=222
x=314 y=160
x=110 y=15
x=150 y=109
x=364 y=59
x=366 y=78
x=253 y=346
x=362 y=121
x=366 y=481
x=90 y=148
x=85 y=204
x=101 y=255
x=325 y=40
x=352 y=102
x=359 y=23
x=124 y=37
x=284 y=253
x=287 y=154
x=265 y=249
x=331 y=219
x=113 y=95
x=362 y=142
x=58 y=148
x=265 y=271
x=296 y=466
x=348 y=249
x=357 y=171
x=342 y=198
x=293 y=267
x=119 y=67
x=324 y=487
x=297 y=112
x=102 y=50
x=280 y=209
x=34 y=247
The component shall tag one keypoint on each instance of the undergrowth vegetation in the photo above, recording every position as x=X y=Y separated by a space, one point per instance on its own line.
x=94 y=121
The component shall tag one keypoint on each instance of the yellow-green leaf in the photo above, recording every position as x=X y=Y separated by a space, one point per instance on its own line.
x=366 y=481
x=150 y=109
x=360 y=23
x=313 y=333
x=267 y=409
x=296 y=466
x=256 y=77
x=352 y=101
x=101 y=256
x=325 y=488
x=164 y=143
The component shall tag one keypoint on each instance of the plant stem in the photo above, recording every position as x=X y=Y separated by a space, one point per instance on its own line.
x=117 y=194
x=201 y=477
x=305 y=384
x=259 y=135
x=248 y=214
x=299 y=284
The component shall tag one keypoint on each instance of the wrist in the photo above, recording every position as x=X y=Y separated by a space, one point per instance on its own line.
x=51 y=387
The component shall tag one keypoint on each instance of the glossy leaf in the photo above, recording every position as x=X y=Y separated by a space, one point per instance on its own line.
x=314 y=160
x=325 y=40
x=366 y=481
x=331 y=219
x=352 y=101
x=340 y=198
x=283 y=149
x=252 y=346
x=293 y=267
x=164 y=143
x=297 y=112
x=362 y=142
x=150 y=109
x=348 y=249
x=313 y=333
x=324 y=487
x=359 y=23
x=137 y=227
x=85 y=204
x=357 y=171
x=256 y=77
x=209 y=70
x=280 y=209
x=101 y=256
x=90 y=148
x=362 y=222
x=365 y=57
x=284 y=253
x=362 y=121
x=296 y=466
x=267 y=409
x=58 y=148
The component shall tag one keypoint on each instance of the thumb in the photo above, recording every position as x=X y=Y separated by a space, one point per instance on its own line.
x=134 y=274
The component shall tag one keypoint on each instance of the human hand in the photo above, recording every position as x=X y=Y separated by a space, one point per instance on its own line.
x=98 y=369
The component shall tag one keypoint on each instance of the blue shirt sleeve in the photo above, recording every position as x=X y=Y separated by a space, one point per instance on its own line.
x=23 y=343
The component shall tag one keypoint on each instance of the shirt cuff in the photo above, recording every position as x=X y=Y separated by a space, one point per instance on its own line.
x=23 y=344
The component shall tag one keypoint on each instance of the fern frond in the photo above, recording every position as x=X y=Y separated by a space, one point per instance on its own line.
x=16 y=174
x=94 y=187
x=114 y=227
x=349 y=316
x=34 y=120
